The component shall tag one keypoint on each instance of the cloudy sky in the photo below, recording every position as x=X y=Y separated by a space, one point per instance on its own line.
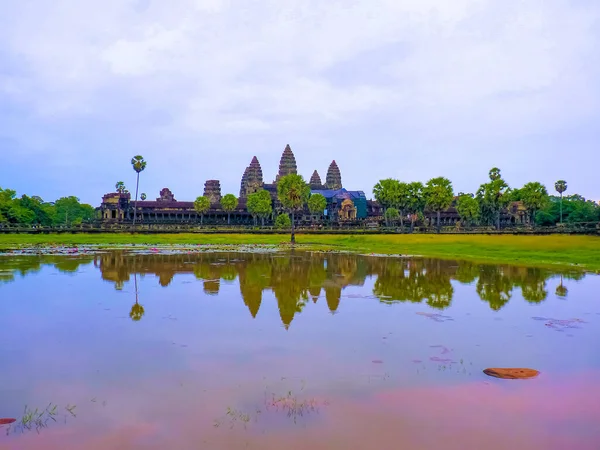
x=410 y=89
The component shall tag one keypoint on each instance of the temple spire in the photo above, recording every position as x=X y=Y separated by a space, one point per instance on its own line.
x=334 y=177
x=287 y=164
x=252 y=180
x=315 y=181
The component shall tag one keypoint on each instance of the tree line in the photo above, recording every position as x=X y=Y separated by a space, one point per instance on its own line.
x=35 y=211
x=410 y=200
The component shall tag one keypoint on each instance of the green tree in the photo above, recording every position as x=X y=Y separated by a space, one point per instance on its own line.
x=293 y=193
x=201 y=205
x=44 y=213
x=492 y=198
x=317 y=204
x=387 y=193
x=70 y=212
x=561 y=187
x=403 y=201
x=138 y=164
x=438 y=195
x=416 y=202
x=19 y=214
x=283 y=221
x=534 y=197
x=260 y=205
x=229 y=202
x=143 y=196
x=467 y=208
x=120 y=187
x=391 y=214
x=583 y=211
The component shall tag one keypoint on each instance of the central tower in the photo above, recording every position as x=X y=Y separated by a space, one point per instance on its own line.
x=287 y=164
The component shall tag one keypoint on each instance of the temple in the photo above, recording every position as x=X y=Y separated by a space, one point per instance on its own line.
x=342 y=204
x=348 y=207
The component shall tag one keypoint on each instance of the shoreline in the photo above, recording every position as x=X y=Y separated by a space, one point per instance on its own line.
x=552 y=251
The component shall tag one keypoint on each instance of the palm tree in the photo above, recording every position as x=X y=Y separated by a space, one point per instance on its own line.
x=494 y=173
x=120 y=187
x=143 y=196
x=560 y=186
x=138 y=164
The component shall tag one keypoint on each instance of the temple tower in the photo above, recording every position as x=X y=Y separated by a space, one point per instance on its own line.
x=212 y=190
x=334 y=177
x=243 y=183
x=287 y=164
x=252 y=180
x=315 y=181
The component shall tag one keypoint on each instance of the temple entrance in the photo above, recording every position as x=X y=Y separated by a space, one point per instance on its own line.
x=347 y=210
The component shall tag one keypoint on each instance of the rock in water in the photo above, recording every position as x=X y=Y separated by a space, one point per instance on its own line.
x=512 y=374
x=7 y=421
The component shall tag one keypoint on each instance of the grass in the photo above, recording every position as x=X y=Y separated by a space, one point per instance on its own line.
x=548 y=250
x=37 y=419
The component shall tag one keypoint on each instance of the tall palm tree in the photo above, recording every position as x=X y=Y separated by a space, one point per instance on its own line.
x=138 y=164
x=560 y=186
x=494 y=173
x=120 y=187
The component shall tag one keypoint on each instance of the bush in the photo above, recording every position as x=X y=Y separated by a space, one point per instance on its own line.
x=283 y=221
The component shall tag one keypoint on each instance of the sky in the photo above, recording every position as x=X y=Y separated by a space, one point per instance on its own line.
x=409 y=89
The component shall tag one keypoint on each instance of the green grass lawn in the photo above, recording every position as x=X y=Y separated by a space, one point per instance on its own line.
x=551 y=250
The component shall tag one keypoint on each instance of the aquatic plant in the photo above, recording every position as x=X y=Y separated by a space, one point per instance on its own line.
x=293 y=407
x=37 y=419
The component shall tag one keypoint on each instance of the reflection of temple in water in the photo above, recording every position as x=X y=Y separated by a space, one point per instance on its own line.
x=295 y=279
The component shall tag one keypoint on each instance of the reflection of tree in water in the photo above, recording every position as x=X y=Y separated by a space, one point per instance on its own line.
x=412 y=280
x=289 y=282
x=28 y=264
x=467 y=272
x=70 y=264
x=494 y=286
x=294 y=278
x=561 y=289
x=137 y=310
x=532 y=282
x=439 y=289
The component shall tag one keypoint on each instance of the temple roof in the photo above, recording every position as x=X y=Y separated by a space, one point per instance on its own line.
x=339 y=193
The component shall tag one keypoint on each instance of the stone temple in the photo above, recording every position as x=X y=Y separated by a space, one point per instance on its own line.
x=342 y=205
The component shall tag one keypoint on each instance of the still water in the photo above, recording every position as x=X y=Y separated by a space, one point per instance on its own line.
x=200 y=350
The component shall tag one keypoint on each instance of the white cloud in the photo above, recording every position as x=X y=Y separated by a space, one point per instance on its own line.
x=268 y=58
x=445 y=72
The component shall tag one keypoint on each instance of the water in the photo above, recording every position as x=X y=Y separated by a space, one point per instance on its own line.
x=295 y=351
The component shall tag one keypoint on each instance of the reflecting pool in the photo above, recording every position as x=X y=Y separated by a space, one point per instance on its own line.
x=271 y=350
